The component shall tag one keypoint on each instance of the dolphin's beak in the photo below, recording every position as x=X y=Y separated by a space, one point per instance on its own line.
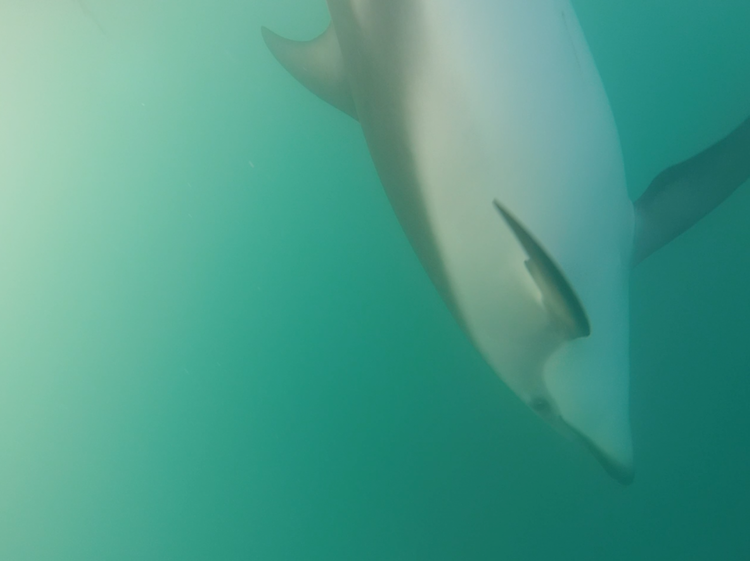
x=621 y=470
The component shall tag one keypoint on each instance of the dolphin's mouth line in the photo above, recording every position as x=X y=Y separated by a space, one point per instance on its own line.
x=623 y=474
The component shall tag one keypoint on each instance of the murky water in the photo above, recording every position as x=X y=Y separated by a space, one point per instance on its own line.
x=216 y=343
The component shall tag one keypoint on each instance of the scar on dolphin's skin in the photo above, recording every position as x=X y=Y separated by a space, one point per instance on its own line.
x=572 y=43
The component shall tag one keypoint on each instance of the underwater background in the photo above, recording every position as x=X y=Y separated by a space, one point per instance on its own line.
x=216 y=342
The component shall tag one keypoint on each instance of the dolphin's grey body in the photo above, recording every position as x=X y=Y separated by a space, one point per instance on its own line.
x=494 y=140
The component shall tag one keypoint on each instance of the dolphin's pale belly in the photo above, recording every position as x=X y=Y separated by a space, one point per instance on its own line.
x=502 y=101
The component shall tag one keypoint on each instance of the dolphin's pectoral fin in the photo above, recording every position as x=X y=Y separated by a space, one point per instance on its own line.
x=685 y=193
x=558 y=295
x=317 y=64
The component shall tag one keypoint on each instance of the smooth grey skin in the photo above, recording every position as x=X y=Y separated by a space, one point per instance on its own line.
x=479 y=116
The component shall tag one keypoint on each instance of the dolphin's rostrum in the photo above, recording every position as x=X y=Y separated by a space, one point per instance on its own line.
x=495 y=143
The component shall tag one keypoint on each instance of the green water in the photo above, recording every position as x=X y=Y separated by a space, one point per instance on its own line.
x=216 y=343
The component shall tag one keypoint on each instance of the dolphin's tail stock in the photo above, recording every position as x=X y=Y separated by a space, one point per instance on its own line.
x=683 y=194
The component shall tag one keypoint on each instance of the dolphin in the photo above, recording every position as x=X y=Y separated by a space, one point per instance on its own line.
x=494 y=140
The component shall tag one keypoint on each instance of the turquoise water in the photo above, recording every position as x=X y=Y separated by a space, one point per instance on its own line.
x=216 y=343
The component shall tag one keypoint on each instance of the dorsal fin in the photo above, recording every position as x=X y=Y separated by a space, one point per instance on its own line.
x=558 y=295
x=317 y=64
x=683 y=194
